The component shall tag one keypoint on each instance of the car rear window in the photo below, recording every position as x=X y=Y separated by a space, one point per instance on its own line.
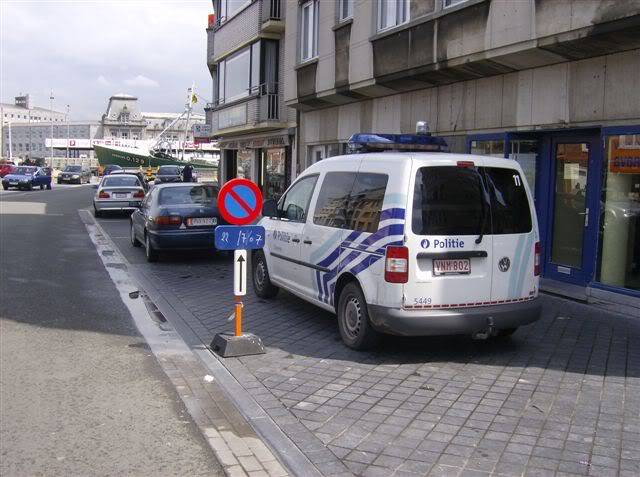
x=73 y=168
x=121 y=181
x=168 y=170
x=450 y=200
x=188 y=195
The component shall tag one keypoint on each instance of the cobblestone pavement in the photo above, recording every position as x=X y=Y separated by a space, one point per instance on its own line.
x=562 y=397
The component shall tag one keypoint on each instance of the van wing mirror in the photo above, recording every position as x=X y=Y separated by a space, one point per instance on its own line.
x=270 y=208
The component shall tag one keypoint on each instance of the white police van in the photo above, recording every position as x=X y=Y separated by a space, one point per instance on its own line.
x=408 y=243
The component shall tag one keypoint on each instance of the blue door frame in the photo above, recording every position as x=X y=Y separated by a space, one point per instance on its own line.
x=545 y=194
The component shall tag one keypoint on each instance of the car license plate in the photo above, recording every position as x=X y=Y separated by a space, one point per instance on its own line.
x=453 y=266
x=13 y=182
x=120 y=196
x=196 y=221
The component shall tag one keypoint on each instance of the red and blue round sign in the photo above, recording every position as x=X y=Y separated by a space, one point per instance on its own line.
x=240 y=201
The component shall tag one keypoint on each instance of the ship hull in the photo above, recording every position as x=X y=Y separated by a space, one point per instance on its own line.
x=129 y=157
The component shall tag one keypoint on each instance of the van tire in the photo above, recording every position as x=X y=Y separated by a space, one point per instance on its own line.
x=353 y=319
x=262 y=285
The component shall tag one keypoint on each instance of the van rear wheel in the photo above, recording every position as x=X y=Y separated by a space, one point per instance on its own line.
x=353 y=319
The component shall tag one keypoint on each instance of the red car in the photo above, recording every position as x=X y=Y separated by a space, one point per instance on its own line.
x=6 y=168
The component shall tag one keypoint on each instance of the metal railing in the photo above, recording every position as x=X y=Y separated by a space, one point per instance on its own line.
x=271 y=10
x=269 y=102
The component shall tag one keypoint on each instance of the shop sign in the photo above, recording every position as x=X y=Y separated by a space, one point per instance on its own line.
x=624 y=159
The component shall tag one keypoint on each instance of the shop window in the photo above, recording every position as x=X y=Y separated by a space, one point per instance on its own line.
x=619 y=257
x=493 y=148
x=525 y=153
x=274 y=172
x=245 y=161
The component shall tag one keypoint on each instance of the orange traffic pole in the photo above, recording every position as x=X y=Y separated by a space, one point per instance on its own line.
x=238 y=316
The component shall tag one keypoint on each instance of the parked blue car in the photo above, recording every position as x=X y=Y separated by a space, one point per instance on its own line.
x=27 y=177
x=176 y=216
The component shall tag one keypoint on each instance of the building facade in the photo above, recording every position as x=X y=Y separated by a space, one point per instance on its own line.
x=248 y=117
x=124 y=120
x=30 y=141
x=552 y=85
x=21 y=112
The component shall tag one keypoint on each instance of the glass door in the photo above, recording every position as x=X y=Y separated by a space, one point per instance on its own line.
x=572 y=216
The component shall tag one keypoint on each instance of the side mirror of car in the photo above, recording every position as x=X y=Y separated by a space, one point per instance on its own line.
x=270 y=208
x=94 y=186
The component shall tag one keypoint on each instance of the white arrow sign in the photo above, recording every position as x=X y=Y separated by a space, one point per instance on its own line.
x=240 y=272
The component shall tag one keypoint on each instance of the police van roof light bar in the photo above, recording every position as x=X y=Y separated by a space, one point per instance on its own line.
x=372 y=142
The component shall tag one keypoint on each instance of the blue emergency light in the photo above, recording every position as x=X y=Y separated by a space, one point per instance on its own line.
x=372 y=142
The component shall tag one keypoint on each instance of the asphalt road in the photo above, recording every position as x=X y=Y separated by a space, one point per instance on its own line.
x=80 y=393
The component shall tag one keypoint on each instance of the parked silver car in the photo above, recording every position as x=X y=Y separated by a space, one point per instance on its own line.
x=118 y=192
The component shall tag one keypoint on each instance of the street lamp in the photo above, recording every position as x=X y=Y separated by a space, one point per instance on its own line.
x=68 y=107
x=51 y=113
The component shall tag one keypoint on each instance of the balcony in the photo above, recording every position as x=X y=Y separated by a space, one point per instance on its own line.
x=210 y=44
x=261 y=110
x=272 y=16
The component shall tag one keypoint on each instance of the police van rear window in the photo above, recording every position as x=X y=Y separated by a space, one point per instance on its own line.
x=450 y=200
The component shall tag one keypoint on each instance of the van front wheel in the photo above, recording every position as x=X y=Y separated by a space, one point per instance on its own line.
x=261 y=281
x=353 y=319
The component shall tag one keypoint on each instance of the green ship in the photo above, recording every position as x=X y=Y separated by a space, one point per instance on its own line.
x=128 y=157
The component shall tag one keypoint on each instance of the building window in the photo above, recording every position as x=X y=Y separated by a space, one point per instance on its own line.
x=451 y=3
x=392 y=13
x=228 y=8
x=493 y=148
x=619 y=257
x=345 y=9
x=239 y=74
x=309 y=30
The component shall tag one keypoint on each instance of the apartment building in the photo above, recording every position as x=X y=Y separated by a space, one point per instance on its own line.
x=551 y=84
x=254 y=128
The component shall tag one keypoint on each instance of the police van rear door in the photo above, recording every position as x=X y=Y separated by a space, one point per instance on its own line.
x=514 y=233
x=448 y=235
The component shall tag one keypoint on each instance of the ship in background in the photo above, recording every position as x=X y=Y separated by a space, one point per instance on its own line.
x=161 y=150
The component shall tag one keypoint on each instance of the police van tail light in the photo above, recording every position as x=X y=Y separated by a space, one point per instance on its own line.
x=396 y=265
x=536 y=260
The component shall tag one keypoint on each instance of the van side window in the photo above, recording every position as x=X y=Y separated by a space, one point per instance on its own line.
x=294 y=205
x=333 y=200
x=365 y=202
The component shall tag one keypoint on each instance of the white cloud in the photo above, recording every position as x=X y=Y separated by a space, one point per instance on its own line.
x=142 y=82
x=102 y=81
x=105 y=46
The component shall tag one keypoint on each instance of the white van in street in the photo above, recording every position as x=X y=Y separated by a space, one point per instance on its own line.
x=409 y=243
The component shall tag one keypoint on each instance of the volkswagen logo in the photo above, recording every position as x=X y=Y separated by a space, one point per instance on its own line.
x=504 y=264
x=425 y=243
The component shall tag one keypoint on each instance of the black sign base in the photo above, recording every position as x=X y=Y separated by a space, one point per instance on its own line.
x=228 y=345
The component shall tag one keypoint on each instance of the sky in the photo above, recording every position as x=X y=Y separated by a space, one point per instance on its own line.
x=87 y=50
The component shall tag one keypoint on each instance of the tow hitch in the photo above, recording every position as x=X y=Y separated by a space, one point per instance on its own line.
x=490 y=330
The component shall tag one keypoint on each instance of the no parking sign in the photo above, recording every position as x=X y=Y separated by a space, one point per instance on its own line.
x=240 y=201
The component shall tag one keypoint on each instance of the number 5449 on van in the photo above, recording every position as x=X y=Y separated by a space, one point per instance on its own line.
x=407 y=240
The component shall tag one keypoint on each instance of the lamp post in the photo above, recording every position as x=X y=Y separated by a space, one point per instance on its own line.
x=68 y=107
x=51 y=113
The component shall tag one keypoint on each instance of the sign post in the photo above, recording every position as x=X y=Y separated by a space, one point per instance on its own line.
x=239 y=203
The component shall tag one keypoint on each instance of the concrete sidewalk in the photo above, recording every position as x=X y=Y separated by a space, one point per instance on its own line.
x=561 y=397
